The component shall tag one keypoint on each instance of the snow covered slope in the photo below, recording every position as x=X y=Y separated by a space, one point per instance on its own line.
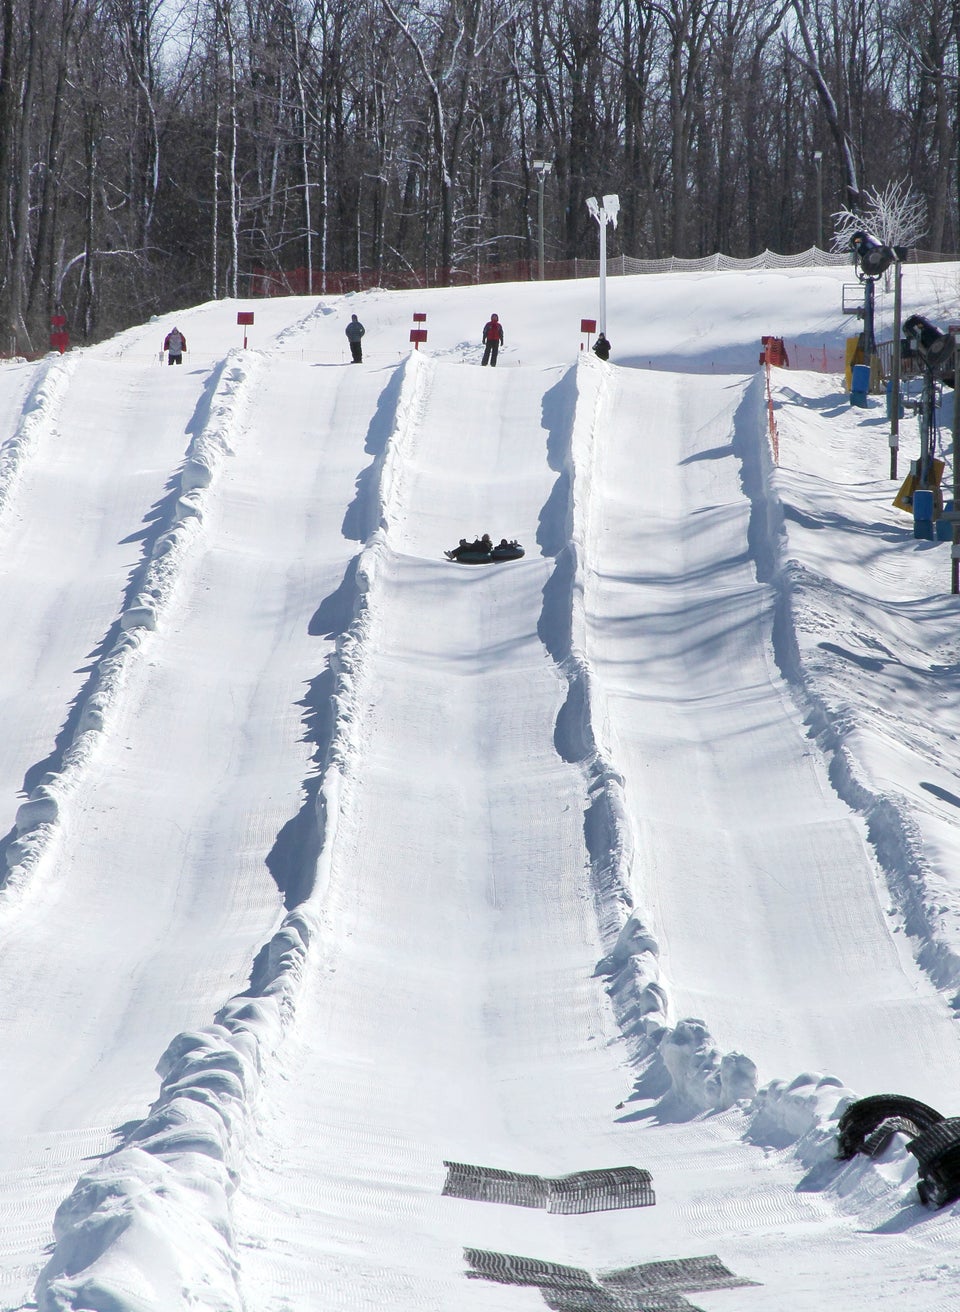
x=638 y=851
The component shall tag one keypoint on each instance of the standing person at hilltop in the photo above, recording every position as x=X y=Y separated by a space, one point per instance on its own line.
x=355 y=331
x=492 y=340
x=174 y=344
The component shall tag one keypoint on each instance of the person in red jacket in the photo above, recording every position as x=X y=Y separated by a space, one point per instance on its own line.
x=492 y=340
x=174 y=344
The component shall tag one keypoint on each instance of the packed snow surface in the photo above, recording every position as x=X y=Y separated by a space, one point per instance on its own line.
x=355 y=902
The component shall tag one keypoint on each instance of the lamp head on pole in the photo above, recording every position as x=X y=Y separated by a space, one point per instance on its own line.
x=542 y=167
x=604 y=213
x=870 y=255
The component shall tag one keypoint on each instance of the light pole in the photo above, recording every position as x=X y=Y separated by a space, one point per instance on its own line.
x=604 y=212
x=817 y=163
x=541 y=167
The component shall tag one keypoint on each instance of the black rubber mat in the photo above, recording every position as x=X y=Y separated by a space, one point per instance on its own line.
x=650 y=1287
x=584 y=1191
x=684 y=1274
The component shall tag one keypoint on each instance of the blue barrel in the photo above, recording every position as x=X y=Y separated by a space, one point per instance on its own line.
x=923 y=513
x=859 y=384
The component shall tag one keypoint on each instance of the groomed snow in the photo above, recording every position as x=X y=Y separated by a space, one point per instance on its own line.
x=328 y=862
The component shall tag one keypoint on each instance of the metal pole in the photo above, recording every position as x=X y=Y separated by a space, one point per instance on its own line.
x=869 y=337
x=928 y=411
x=818 y=161
x=540 y=182
x=604 y=213
x=603 y=272
x=541 y=167
x=895 y=368
x=955 y=430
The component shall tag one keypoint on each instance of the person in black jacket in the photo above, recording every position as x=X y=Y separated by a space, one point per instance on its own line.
x=601 y=347
x=492 y=340
x=354 y=331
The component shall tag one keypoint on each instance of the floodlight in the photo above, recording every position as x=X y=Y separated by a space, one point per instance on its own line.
x=935 y=348
x=871 y=255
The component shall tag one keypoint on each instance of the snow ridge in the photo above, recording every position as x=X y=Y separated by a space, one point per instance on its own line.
x=37 y=818
x=348 y=657
x=39 y=415
x=150 y=1226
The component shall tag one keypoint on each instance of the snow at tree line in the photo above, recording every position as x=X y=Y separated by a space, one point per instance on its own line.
x=353 y=897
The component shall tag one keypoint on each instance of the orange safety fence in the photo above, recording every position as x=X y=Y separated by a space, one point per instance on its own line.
x=774 y=432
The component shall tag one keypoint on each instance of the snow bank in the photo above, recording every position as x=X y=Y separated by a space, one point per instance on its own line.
x=152 y=1220
x=37 y=817
x=38 y=418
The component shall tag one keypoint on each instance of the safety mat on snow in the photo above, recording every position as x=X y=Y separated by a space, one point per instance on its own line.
x=683 y=1274
x=584 y=1191
x=651 y=1287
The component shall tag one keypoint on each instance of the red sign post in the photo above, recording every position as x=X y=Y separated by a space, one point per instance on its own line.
x=418 y=335
x=59 y=337
x=245 y=318
x=587 y=326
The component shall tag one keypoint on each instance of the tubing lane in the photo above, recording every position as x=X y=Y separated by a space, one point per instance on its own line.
x=173 y=1175
x=451 y=997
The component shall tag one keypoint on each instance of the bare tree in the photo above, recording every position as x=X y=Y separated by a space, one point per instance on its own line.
x=811 y=62
x=448 y=42
x=896 y=216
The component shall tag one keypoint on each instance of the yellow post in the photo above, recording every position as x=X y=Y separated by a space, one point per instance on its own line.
x=853 y=355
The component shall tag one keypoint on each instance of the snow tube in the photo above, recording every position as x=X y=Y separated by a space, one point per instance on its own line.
x=512 y=552
x=867 y=1115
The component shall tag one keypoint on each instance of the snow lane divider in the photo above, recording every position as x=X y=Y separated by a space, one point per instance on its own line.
x=631 y=964
x=153 y=1220
x=38 y=418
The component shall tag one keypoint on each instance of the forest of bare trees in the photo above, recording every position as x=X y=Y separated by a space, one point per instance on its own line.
x=156 y=153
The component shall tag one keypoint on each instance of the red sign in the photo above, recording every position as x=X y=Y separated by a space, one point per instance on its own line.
x=418 y=335
x=245 y=316
x=419 y=317
x=59 y=337
x=588 y=325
